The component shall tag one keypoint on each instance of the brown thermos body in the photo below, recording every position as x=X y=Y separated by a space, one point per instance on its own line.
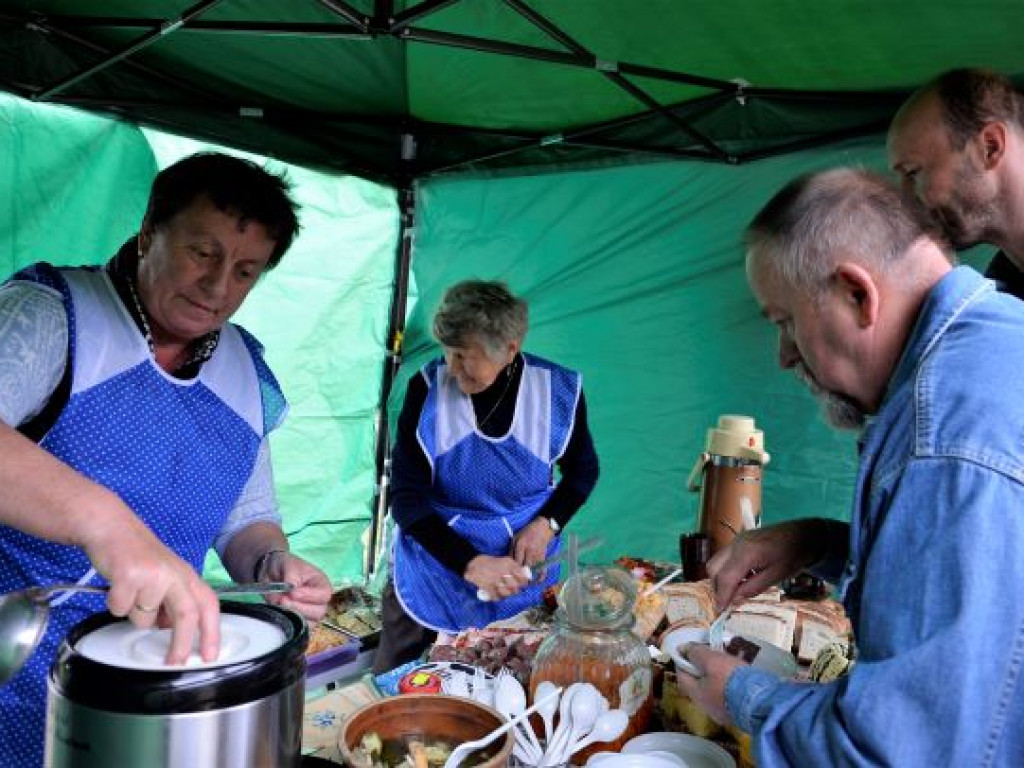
x=728 y=476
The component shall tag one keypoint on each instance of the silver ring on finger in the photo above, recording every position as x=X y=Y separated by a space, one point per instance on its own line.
x=146 y=608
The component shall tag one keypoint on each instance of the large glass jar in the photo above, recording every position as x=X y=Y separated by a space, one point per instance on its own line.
x=592 y=643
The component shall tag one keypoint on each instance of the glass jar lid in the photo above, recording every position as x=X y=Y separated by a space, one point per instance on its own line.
x=599 y=597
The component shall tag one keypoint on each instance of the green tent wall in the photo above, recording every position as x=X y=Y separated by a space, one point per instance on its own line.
x=614 y=153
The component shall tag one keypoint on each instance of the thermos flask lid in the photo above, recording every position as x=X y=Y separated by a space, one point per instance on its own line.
x=738 y=437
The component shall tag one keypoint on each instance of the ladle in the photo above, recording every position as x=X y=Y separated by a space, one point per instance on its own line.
x=25 y=613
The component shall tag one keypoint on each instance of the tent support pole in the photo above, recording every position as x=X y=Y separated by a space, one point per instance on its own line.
x=610 y=70
x=167 y=28
x=415 y=13
x=392 y=362
x=348 y=13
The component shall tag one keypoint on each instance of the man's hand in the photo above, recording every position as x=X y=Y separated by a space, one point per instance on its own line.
x=761 y=557
x=708 y=691
x=530 y=545
x=311 y=588
x=151 y=585
x=499 y=577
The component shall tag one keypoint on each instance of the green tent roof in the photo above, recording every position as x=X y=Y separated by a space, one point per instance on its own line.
x=389 y=89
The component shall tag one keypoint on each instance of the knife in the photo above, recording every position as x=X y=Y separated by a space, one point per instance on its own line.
x=256 y=588
x=584 y=546
x=533 y=572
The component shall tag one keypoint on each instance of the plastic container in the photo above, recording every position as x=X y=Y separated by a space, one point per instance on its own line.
x=419 y=682
x=592 y=642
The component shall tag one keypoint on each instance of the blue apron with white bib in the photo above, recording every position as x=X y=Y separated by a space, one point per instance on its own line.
x=179 y=454
x=485 y=488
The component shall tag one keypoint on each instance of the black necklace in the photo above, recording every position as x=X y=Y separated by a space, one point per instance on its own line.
x=510 y=374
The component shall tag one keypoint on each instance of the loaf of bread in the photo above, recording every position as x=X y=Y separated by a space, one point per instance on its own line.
x=771 y=621
x=689 y=600
x=802 y=627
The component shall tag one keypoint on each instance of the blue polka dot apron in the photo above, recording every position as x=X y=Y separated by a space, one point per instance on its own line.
x=177 y=452
x=485 y=488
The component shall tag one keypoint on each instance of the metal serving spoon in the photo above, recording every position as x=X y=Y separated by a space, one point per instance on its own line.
x=25 y=613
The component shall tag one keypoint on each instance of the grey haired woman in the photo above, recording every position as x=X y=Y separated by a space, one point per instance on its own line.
x=474 y=497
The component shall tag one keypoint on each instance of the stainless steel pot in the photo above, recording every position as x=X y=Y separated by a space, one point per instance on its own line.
x=241 y=715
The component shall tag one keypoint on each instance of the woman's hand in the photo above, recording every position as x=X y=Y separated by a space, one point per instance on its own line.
x=311 y=589
x=530 y=545
x=259 y=552
x=150 y=585
x=499 y=577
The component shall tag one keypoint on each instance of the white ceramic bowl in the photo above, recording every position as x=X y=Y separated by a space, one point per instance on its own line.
x=695 y=751
x=672 y=646
x=654 y=759
x=770 y=658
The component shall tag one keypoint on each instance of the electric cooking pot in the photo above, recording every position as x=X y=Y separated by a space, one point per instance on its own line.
x=113 y=702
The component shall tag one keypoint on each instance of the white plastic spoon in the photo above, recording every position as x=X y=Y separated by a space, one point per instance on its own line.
x=609 y=726
x=547 y=712
x=584 y=711
x=510 y=700
x=463 y=751
x=564 y=725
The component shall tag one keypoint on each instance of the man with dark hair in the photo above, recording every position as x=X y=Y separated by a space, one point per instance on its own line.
x=958 y=144
x=134 y=424
x=894 y=340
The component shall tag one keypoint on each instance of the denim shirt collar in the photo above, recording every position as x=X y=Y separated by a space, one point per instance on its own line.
x=959 y=288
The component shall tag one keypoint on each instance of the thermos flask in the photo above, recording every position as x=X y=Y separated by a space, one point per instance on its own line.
x=728 y=476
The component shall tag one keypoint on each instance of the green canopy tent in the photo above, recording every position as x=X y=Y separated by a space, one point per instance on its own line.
x=602 y=156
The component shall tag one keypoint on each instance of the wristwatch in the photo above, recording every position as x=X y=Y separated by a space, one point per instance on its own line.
x=553 y=524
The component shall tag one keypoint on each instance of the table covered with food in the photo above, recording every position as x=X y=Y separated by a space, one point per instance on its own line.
x=598 y=661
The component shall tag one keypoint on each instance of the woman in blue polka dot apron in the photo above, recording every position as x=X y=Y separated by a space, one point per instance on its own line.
x=474 y=496
x=131 y=378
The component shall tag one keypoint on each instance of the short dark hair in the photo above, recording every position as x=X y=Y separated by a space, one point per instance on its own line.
x=235 y=186
x=970 y=98
x=821 y=218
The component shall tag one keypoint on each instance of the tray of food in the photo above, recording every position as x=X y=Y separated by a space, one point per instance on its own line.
x=352 y=622
x=355 y=611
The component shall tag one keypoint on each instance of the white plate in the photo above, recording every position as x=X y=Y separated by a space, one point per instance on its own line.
x=770 y=658
x=121 y=645
x=697 y=752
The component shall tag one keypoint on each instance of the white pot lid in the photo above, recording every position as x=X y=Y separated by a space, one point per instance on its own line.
x=120 y=644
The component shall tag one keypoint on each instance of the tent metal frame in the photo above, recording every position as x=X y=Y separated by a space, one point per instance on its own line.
x=353 y=24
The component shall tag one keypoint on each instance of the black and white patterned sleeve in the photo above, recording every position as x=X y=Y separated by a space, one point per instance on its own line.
x=33 y=349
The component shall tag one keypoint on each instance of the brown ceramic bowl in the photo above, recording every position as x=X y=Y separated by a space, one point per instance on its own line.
x=426 y=715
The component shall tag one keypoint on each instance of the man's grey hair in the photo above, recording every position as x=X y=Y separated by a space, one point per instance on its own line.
x=482 y=309
x=821 y=219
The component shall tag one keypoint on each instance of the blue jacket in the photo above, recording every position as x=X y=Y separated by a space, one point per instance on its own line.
x=934 y=583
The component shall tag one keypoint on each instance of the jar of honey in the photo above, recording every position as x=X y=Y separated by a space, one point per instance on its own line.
x=592 y=643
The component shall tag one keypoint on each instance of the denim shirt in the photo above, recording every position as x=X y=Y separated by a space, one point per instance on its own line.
x=934 y=584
